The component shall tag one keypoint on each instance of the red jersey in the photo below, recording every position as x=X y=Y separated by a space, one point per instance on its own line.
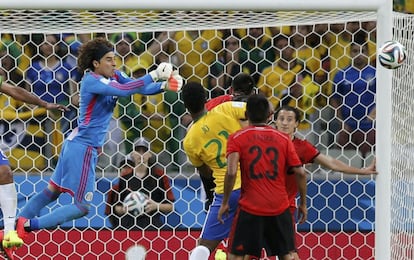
x=217 y=101
x=307 y=153
x=265 y=156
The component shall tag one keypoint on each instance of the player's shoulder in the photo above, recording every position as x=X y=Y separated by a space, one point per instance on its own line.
x=118 y=74
x=90 y=78
x=229 y=107
x=299 y=141
x=212 y=103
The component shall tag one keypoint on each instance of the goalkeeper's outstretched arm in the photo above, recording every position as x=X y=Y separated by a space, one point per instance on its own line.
x=23 y=95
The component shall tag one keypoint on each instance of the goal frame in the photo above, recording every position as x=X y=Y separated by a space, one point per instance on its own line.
x=383 y=8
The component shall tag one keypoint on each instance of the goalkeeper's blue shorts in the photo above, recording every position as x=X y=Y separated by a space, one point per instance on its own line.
x=213 y=229
x=75 y=171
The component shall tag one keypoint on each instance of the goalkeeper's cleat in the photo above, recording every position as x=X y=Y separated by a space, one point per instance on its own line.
x=21 y=227
x=11 y=239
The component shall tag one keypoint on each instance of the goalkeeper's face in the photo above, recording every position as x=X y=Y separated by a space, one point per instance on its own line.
x=106 y=65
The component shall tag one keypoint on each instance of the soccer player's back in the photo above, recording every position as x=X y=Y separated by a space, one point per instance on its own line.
x=263 y=148
x=265 y=156
x=205 y=145
x=206 y=140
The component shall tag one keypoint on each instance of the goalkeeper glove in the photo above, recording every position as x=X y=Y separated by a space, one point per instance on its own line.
x=174 y=82
x=163 y=71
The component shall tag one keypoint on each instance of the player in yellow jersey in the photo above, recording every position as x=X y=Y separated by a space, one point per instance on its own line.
x=205 y=145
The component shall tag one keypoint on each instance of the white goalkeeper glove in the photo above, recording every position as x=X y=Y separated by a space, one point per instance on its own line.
x=163 y=72
x=174 y=83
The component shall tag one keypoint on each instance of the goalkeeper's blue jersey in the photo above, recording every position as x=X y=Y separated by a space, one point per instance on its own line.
x=98 y=97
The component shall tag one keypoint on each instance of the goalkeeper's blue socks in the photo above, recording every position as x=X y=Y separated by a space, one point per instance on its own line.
x=38 y=202
x=57 y=217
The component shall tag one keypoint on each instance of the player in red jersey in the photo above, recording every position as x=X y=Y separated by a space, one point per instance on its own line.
x=265 y=156
x=287 y=119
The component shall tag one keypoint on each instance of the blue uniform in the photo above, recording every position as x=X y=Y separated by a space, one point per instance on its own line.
x=75 y=170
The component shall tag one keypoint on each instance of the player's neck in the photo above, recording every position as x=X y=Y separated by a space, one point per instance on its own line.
x=198 y=115
x=259 y=124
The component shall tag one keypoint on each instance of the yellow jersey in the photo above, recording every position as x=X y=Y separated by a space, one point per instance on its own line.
x=206 y=140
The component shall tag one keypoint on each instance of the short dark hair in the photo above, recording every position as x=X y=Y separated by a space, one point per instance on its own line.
x=257 y=108
x=194 y=97
x=243 y=83
x=291 y=109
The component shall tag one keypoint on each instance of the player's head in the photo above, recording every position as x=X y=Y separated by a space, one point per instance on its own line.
x=97 y=55
x=243 y=85
x=287 y=119
x=257 y=109
x=194 y=97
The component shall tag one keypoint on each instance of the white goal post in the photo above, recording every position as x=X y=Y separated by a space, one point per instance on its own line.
x=382 y=10
x=277 y=5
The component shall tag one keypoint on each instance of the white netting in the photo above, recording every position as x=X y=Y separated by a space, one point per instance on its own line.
x=402 y=174
x=341 y=207
x=57 y=21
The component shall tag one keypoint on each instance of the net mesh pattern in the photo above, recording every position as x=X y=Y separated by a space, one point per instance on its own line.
x=341 y=206
x=56 y=21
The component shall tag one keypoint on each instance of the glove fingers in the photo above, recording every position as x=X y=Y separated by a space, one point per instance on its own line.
x=175 y=82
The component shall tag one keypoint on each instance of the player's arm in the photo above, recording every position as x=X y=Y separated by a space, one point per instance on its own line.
x=145 y=85
x=229 y=181
x=339 y=166
x=23 y=95
x=301 y=183
x=205 y=171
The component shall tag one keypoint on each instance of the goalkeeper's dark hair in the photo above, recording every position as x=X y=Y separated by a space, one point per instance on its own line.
x=257 y=109
x=194 y=97
x=243 y=84
x=296 y=111
x=93 y=50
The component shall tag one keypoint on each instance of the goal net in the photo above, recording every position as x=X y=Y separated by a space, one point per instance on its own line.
x=402 y=180
x=210 y=47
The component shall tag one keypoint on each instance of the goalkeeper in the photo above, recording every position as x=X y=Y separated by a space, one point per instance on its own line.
x=75 y=170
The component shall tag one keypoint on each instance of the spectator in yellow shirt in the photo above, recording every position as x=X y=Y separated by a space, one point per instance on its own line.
x=287 y=82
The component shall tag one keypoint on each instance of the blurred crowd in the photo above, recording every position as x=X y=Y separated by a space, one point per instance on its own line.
x=292 y=65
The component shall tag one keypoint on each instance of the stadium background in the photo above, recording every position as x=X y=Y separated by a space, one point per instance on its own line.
x=341 y=208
